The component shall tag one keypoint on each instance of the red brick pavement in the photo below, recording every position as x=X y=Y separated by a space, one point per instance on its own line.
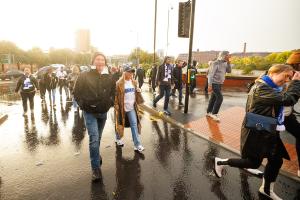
x=228 y=132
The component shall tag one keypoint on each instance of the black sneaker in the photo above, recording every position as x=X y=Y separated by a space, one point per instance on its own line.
x=154 y=104
x=181 y=104
x=96 y=175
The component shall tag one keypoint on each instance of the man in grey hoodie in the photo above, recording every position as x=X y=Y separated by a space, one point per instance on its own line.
x=216 y=77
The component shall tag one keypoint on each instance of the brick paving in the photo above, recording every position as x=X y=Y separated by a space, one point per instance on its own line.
x=228 y=132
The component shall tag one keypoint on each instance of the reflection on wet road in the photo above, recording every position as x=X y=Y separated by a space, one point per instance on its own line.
x=45 y=156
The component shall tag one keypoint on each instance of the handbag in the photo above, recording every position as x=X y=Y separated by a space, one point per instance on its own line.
x=260 y=122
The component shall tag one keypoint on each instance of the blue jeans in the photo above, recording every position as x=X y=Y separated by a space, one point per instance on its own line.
x=95 y=124
x=164 y=90
x=216 y=99
x=132 y=117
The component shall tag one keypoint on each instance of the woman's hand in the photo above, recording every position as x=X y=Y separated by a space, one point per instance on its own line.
x=296 y=76
x=138 y=90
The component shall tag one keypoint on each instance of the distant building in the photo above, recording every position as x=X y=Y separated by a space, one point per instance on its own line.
x=203 y=57
x=118 y=59
x=83 y=41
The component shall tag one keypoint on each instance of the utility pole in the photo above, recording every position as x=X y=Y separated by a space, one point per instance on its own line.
x=187 y=92
x=154 y=40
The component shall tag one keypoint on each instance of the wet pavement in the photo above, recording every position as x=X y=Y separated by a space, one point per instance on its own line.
x=45 y=156
x=227 y=132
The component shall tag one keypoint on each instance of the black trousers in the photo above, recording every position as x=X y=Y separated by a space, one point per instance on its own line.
x=293 y=127
x=141 y=82
x=27 y=97
x=271 y=171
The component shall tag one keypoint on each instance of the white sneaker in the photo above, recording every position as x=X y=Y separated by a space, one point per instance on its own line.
x=119 y=142
x=256 y=172
x=215 y=117
x=208 y=115
x=140 y=148
x=219 y=168
x=272 y=194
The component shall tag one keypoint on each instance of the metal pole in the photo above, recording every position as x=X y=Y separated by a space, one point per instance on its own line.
x=168 y=31
x=154 y=39
x=187 y=92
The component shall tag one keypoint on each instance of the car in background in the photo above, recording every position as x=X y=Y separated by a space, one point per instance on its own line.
x=11 y=74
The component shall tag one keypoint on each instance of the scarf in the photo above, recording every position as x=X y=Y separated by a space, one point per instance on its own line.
x=280 y=118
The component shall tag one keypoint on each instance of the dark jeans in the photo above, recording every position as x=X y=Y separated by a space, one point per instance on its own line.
x=179 y=93
x=271 y=170
x=215 y=100
x=42 y=90
x=95 y=124
x=293 y=127
x=206 y=86
x=27 y=97
x=164 y=90
x=141 y=82
x=193 y=86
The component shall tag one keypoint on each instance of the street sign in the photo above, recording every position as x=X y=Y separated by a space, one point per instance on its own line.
x=184 y=15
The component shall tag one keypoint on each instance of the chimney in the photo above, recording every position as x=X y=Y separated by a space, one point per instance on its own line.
x=245 y=47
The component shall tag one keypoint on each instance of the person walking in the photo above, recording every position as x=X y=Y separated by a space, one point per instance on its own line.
x=126 y=108
x=51 y=81
x=62 y=82
x=94 y=93
x=72 y=77
x=152 y=78
x=27 y=85
x=140 y=75
x=165 y=81
x=291 y=123
x=266 y=99
x=193 y=77
x=216 y=77
x=177 y=74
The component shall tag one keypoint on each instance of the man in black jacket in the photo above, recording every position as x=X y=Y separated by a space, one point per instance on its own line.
x=50 y=81
x=164 y=79
x=140 y=75
x=28 y=85
x=94 y=92
x=152 y=77
x=177 y=74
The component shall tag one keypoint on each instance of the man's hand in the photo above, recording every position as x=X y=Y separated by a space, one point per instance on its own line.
x=296 y=76
x=209 y=89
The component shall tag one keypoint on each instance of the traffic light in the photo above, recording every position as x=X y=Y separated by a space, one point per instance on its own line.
x=184 y=15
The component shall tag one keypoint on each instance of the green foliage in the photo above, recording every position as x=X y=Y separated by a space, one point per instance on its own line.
x=36 y=56
x=202 y=66
x=247 y=64
x=145 y=58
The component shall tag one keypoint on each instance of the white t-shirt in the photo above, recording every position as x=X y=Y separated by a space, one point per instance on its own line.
x=27 y=84
x=167 y=73
x=129 y=97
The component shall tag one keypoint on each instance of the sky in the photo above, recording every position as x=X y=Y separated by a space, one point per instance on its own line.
x=118 y=26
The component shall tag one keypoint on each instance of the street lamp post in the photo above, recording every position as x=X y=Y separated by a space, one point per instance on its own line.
x=168 y=26
x=154 y=39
